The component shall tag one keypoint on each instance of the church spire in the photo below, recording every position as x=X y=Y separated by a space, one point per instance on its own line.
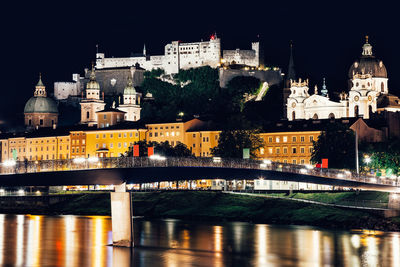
x=144 y=49
x=40 y=89
x=93 y=73
x=324 y=90
x=291 y=72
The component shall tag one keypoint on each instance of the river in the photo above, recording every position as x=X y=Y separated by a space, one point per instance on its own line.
x=31 y=240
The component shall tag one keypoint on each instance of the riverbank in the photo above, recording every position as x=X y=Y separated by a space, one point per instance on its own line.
x=218 y=206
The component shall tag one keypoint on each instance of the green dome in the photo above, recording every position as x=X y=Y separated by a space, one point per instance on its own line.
x=40 y=105
x=129 y=89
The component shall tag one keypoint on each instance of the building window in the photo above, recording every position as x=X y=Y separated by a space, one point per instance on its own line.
x=277 y=140
x=302 y=150
x=41 y=122
x=111 y=135
x=87 y=115
x=150 y=134
x=294 y=150
x=302 y=139
x=278 y=150
x=294 y=161
x=119 y=135
x=285 y=139
x=111 y=145
x=310 y=149
x=194 y=135
x=105 y=116
x=97 y=136
x=285 y=150
x=294 y=139
x=270 y=139
x=311 y=139
x=262 y=151
x=119 y=145
x=302 y=161
x=270 y=150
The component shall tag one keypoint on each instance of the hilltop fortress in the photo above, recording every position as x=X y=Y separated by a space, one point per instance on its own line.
x=112 y=73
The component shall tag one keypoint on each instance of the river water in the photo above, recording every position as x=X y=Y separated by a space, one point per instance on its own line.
x=30 y=240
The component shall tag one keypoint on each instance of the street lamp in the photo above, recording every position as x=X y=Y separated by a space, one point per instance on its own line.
x=367 y=160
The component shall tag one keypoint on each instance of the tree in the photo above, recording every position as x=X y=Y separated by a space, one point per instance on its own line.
x=232 y=142
x=163 y=148
x=384 y=156
x=337 y=144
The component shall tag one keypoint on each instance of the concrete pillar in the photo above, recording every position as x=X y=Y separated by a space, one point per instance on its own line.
x=394 y=201
x=121 y=217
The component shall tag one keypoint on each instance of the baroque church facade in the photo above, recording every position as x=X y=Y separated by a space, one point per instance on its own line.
x=368 y=93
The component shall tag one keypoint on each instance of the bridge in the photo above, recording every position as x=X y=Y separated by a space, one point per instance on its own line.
x=122 y=170
x=136 y=170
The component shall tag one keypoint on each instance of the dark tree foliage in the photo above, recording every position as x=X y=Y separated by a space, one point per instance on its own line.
x=232 y=142
x=266 y=110
x=163 y=148
x=337 y=144
x=384 y=156
x=192 y=94
x=154 y=73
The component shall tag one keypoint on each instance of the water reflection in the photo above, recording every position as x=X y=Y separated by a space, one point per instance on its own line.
x=27 y=240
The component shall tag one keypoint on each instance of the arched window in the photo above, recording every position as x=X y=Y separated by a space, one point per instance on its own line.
x=315 y=117
x=382 y=87
x=331 y=116
x=370 y=110
x=87 y=115
x=293 y=115
x=356 y=111
x=30 y=122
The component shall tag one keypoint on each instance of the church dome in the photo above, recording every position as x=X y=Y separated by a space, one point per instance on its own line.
x=38 y=104
x=368 y=64
x=129 y=89
x=93 y=84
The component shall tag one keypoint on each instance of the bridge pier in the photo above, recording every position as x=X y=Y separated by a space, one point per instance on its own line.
x=394 y=201
x=121 y=217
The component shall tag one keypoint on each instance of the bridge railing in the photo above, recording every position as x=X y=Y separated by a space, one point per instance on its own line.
x=138 y=162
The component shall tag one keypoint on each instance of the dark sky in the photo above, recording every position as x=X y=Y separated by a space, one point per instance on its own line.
x=59 y=39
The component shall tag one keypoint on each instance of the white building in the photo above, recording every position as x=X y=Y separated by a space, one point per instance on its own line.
x=251 y=57
x=368 y=85
x=176 y=56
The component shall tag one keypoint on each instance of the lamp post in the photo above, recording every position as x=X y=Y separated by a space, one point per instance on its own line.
x=357 y=163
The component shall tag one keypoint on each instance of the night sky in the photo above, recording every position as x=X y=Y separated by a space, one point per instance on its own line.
x=59 y=39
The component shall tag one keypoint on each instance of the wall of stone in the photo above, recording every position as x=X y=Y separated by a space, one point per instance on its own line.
x=272 y=77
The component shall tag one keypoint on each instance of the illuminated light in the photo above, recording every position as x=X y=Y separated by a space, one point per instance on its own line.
x=93 y=159
x=395 y=196
x=393 y=176
x=38 y=192
x=157 y=157
x=2 y=191
x=367 y=159
x=78 y=160
x=21 y=192
x=216 y=159
x=267 y=161
x=373 y=180
x=263 y=165
x=9 y=163
x=310 y=167
x=280 y=166
x=303 y=171
x=347 y=172
x=339 y=175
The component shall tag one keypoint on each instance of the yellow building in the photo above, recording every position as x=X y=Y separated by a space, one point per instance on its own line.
x=288 y=147
x=43 y=144
x=200 y=142
x=173 y=132
x=111 y=142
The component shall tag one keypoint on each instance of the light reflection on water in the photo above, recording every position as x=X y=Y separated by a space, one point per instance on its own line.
x=30 y=240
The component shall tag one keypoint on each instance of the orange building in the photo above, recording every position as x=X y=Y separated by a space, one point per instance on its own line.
x=173 y=132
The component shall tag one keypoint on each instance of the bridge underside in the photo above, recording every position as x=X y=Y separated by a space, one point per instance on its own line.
x=155 y=174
